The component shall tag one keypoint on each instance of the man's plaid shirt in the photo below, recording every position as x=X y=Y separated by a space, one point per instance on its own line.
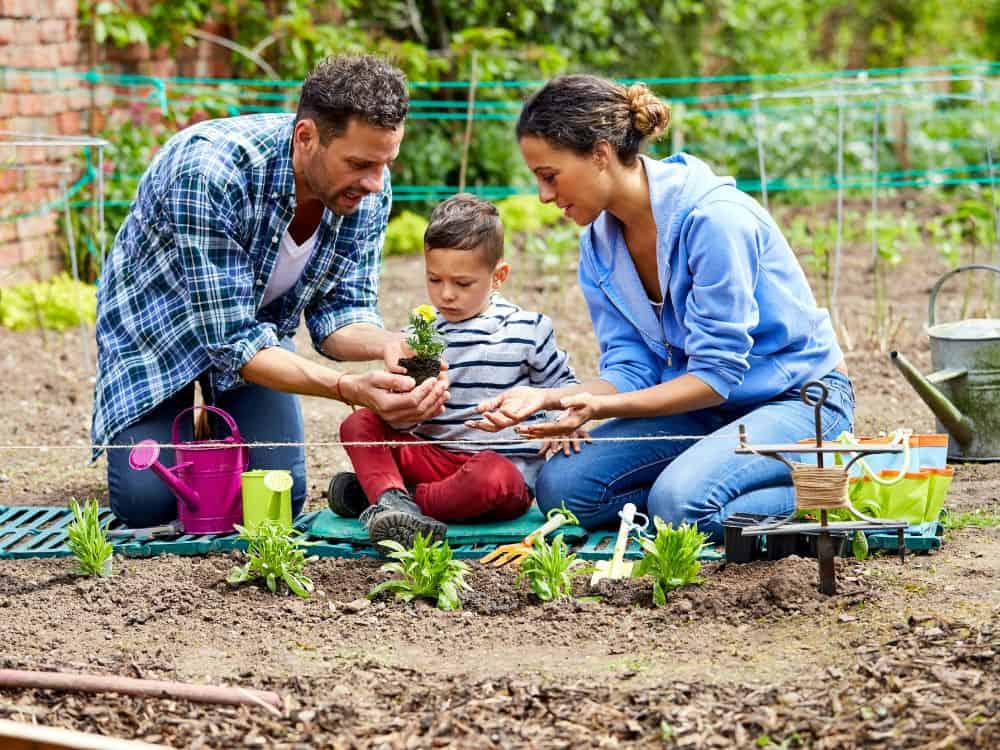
x=181 y=290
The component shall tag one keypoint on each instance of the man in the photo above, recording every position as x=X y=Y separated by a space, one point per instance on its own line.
x=239 y=227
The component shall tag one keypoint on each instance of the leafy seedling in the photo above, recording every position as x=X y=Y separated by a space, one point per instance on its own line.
x=671 y=558
x=549 y=569
x=88 y=540
x=427 y=571
x=274 y=553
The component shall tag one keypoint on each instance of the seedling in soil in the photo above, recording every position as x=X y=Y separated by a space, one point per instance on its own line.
x=275 y=554
x=549 y=569
x=428 y=571
x=88 y=540
x=426 y=344
x=671 y=558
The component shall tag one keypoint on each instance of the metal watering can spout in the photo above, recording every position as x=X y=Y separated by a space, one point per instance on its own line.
x=955 y=422
x=144 y=456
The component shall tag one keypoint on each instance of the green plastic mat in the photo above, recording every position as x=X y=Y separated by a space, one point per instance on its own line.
x=328 y=525
x=39 y=531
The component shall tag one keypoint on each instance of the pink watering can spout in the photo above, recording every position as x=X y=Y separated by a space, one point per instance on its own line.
x=144 y=456
x=206 y=478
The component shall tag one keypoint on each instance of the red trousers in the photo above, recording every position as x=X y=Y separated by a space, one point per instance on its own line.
x=448 y=486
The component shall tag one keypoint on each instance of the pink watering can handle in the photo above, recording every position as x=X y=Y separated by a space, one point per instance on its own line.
x=175 y=437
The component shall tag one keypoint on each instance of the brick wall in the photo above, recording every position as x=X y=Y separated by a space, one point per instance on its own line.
x=38 y=34
x=44 y=36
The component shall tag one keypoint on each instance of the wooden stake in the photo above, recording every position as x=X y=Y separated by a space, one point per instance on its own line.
x=471 y=102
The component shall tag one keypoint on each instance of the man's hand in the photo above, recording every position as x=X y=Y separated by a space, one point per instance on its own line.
x=509 y=408
x=396 y=349
x=394 y=398
x=553 y=445
x=580 y=408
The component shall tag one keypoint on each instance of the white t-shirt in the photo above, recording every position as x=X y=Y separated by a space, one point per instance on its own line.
x=292 y=259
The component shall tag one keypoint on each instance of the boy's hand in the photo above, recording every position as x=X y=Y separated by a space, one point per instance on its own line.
x=553 y=445
x=580 y=408
x=509 y=408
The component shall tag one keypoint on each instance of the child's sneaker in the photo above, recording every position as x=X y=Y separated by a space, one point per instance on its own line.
x=345 y=496
x=395 y=516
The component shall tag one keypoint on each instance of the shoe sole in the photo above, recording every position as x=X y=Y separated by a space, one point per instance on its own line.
x=403 y=527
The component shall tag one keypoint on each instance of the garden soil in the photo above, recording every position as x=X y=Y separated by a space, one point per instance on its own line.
x=904 y=656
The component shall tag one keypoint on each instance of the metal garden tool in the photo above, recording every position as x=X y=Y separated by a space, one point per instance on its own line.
x=514 y=553
x=618 y=567
x=166 y=531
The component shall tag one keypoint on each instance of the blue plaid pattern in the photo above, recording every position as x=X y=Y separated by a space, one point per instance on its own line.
x=181 y=290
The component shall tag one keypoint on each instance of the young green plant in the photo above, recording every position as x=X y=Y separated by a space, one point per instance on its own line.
x=426 y=344
x=275 y=554
x=671 y=558
x=88 y=541
x=550 y=569
x=427 y=571
x=424 y=340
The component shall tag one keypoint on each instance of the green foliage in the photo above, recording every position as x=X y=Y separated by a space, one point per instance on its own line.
x=116 y=23
x=275 y=554
x=859 y=545
x=405 y=234
x=525 y=213
x=424 y=339
x=427 y=571
x=56 y=304
x=549 y=569
x=979 y=518
x=88 y=541
x=671 y=558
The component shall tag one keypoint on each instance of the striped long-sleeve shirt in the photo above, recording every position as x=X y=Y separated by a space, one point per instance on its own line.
x=502 y=347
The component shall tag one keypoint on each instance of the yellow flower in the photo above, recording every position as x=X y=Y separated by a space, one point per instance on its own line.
x=426 y=312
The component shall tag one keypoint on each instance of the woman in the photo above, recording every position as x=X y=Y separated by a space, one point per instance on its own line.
x=704 y=317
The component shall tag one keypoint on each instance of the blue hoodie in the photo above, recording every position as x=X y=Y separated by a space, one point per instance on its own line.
x=738 y=313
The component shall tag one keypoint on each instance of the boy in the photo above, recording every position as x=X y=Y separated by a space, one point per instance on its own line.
x=493 y=345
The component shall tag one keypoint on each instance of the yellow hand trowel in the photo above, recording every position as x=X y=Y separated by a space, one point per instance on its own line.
x=617 y=567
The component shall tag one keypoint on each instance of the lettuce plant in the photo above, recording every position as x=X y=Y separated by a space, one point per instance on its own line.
x=274 y=553
x=671 y=558
x=427 y=571
x=549 y=569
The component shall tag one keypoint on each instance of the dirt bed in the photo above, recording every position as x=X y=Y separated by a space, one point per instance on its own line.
x=905 y=656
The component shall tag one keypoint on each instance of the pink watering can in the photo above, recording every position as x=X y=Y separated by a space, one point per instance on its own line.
x=205 y=478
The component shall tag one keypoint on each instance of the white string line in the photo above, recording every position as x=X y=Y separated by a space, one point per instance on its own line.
x=205 y=445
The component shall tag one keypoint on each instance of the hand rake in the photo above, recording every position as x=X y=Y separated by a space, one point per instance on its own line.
x=517 y=551
x=617 y=567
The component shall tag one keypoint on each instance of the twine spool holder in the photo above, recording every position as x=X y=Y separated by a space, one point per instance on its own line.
x=822 y=488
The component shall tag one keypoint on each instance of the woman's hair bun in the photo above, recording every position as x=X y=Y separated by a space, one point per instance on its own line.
x=650 y=114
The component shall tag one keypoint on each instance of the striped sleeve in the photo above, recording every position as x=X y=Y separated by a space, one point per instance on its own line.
x=549 y=365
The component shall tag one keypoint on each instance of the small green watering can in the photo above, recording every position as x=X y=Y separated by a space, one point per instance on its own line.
x=267 y=495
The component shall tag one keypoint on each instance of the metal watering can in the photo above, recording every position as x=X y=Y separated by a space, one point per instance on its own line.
x=205 y=478
x=964 y=389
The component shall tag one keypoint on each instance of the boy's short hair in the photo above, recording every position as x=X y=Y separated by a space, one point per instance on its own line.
x=465 y=222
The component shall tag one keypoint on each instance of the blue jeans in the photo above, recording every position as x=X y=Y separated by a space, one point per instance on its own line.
x=140 y=498
x=700 y=481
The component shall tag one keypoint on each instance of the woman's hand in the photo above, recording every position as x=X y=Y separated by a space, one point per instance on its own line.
x=579 y=408
x=553 y=445
x=509 y=408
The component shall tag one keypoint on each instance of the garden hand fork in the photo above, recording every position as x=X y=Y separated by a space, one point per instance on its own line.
x=617 y=567
x=514 y=553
